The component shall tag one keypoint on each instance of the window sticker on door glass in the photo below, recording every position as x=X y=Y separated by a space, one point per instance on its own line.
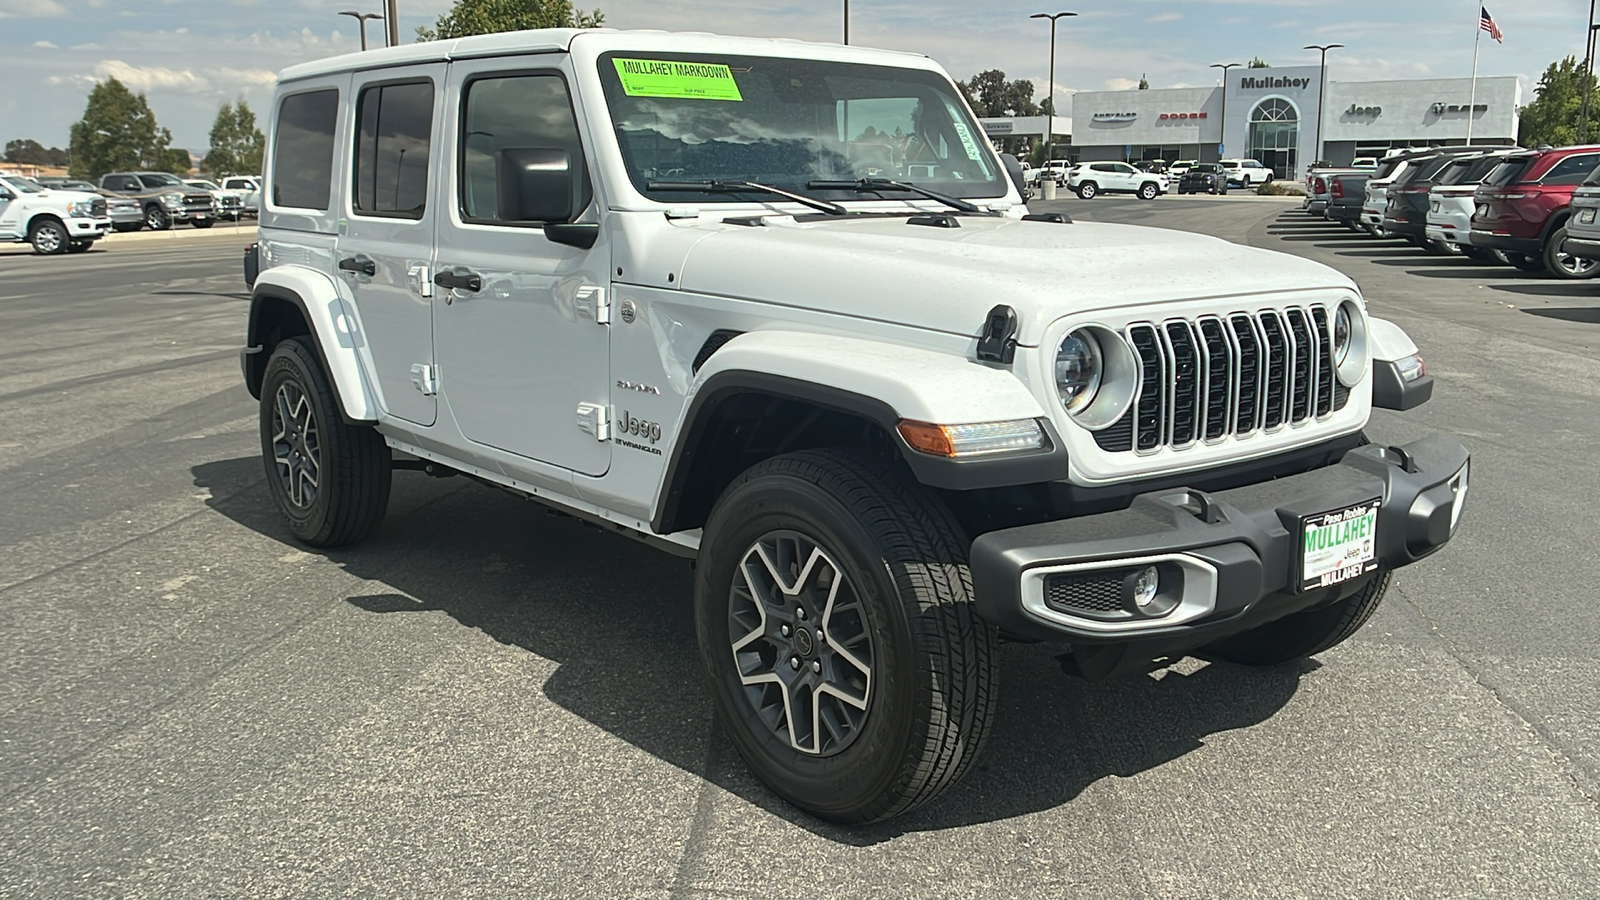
x=681 y=80
x=966 y=141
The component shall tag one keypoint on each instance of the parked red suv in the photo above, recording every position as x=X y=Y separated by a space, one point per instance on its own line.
x=1522 y=209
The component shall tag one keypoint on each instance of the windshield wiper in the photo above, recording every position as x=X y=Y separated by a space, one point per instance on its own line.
x=872 y=185
x=715 y=186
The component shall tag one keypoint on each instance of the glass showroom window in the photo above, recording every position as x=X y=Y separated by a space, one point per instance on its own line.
x=1275 y=135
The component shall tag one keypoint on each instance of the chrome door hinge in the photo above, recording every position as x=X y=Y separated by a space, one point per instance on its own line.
x=594 y=301
x=595 y=419
x=425 y=378
x=421 y=277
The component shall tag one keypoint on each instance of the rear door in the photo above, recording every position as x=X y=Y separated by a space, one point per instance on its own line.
x=385 y=246
x=521 y=347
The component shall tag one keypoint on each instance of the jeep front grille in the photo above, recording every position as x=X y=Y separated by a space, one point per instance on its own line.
x=1213 y=377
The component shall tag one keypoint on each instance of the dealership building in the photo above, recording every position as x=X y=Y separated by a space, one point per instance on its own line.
x=1271 y=115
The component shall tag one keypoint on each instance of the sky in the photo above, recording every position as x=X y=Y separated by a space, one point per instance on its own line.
x=189 y=56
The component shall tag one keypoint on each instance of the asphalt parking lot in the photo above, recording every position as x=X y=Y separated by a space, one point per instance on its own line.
x=485 y=700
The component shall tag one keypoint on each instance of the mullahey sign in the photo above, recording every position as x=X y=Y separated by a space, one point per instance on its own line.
x=1264 y=84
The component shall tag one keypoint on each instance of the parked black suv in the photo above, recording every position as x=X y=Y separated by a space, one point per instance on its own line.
x=1203 y=178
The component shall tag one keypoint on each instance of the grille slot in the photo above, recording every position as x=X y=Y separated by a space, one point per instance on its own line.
x=97 y=207
x=1213 y=377
x=1098 y=594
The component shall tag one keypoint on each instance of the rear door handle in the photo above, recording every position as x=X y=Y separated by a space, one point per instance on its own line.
x=459 y=279
x=361 y=265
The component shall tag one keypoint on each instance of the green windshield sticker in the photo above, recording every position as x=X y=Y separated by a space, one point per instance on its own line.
x=683 y=80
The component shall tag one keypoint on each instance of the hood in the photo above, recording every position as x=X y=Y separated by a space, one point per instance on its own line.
x=947 y=279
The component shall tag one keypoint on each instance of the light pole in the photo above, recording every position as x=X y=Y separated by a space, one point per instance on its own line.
x=392 y=21
x=362 y=18
x=1050 y=92
x=847 y=21
x=1588 y=67
x=1322 y=93
x=1222 y=142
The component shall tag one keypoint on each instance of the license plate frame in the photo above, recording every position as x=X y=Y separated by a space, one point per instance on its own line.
x=1586 y=217
x=1337 y=546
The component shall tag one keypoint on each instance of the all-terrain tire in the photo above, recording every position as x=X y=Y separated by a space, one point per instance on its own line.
x=893 y=554
x=1306 y=633
x=329 y=478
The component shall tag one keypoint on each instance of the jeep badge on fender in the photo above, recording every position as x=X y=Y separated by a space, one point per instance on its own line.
x=1163 y=453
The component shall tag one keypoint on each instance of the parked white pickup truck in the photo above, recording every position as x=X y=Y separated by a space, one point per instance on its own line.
x=52 y=221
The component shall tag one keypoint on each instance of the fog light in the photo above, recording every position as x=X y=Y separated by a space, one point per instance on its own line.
x=1146 y=585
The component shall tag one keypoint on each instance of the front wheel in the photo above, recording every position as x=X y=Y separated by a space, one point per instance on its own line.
x=1149 y=191
x=330 y=479
x=1563 y=264
x=833 y=609
x=1088 y=190
x=1306 y=633
x=48 y=237
x=156 y=219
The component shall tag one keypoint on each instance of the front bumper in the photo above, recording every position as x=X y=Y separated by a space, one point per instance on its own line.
x=1238 y=549
x=79 y=229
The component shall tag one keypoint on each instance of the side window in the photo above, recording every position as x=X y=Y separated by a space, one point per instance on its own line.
x=514 y=112
x=302 y=152
x=1572 y=170
x=394 y=127
x=1103 y=167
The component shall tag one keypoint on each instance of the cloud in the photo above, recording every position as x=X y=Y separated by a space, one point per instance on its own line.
x=1164 y=17
x=145 y=78
x=1122 y=84
x=45 y=45
x=31 y=9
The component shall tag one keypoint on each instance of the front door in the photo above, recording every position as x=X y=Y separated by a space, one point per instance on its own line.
x=520 y=347
x=10 y=206
x=386 y=244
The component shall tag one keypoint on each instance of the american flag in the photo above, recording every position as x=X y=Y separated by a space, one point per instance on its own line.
x=1486 y=22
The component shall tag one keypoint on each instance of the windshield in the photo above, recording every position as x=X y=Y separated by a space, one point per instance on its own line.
x=25 y=185
x=787 y=122
x=1206 y=167
x=208 y=185
x=160 y=179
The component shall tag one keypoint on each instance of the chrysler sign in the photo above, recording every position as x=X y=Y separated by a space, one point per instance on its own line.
x=1115 y=117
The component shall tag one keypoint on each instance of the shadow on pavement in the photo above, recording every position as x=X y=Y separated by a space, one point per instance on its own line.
x=1583 y=315
x=1547 y=287
x=617 y=619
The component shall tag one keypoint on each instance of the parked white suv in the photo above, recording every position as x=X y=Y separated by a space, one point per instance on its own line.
x=1093 y=179
x=52 y=221
x=1247 y=172
x=639 y=277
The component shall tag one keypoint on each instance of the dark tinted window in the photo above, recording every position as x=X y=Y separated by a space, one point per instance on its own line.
x=515 y=112
x=1572 y=170
x=1508 y=172
x=1386 y=168
x=1454 y=172
x=1413 y=171
x=394 y=125
x=302 y=152
x=1213 y=168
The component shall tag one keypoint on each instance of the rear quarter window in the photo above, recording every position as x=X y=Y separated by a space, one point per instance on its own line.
x=302 y=152
x=1508 y=172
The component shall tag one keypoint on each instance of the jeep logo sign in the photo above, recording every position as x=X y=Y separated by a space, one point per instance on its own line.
x=1369 y=112
x=1266 y=84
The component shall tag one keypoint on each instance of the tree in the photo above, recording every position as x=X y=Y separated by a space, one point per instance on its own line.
x=236 y=143
x=176 y=160
x=1552 y=118
x=1257 y=62
x=118 y=131
x=26 y=151
x=1144 y=83
x=992 y=95
x=470 y=17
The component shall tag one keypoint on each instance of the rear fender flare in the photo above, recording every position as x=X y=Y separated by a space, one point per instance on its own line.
x=333 y=331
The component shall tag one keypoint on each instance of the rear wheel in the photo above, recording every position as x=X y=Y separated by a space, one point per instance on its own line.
x=330 y=479
x=1304 y=634
x=1563 y=264
x=1525 y=263
x=833 y=609
x=201 y=223
x=1088 y=190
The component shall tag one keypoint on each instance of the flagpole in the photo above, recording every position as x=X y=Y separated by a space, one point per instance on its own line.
x=1472 y=104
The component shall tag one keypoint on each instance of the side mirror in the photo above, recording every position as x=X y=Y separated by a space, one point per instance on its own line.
x=1014 y=169
x=535 y=184
x=7 y=195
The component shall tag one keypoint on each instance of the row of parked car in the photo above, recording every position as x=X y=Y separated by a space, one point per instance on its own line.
x=64 y=215
x=1149 y=179
x=1532 y=209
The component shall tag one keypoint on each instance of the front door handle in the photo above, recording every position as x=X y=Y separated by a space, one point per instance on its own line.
x=459 y=279
x=361 y=265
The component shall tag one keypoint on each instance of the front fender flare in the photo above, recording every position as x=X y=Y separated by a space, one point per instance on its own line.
x=880 y=382
x=333 y=332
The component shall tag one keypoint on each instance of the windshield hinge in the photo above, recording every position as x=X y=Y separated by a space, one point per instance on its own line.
x=998 y=342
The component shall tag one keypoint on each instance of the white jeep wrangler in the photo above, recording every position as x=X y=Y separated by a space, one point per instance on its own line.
x=660 y=282
x=52 y=221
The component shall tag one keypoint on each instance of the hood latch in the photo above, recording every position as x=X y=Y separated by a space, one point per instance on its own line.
x=998 y=343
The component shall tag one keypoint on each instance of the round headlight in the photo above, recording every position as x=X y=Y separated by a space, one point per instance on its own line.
x=1078 y=370
x=1341 y=334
